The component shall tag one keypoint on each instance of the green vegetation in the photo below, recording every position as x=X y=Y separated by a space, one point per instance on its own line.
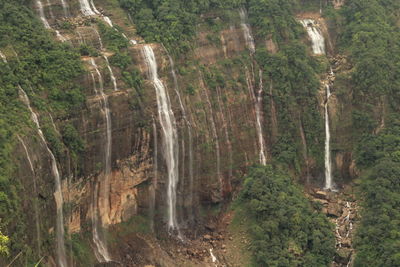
x=47 y=71
x=291 y=75
x=82 y=250
x=285 y=228
x=172 y=22
x=378 y=236
x=4 y=241
x=371 y=37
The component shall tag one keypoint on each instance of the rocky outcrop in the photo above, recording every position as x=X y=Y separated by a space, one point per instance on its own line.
x=342 y=210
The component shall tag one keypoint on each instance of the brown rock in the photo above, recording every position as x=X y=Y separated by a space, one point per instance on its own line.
x=207 y=237
x=334 y=209
x=321 y=195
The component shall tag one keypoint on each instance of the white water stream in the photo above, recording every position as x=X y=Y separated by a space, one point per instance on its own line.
x=328 y=162
x=42 y=15
x=35 y=200
x=102 y=254
x=248 y=36
x=258 y=100
x=314 y=32
x=170 y=137
x=60 y=244
x=189 y=128
x=3 y=57
x=113 y=79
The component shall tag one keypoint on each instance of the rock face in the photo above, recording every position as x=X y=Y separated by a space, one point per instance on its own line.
x=219 y=145
x=342 y=209
x=209 y=157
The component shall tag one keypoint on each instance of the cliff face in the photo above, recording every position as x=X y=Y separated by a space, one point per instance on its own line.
x=212 y=99
x=216 y=129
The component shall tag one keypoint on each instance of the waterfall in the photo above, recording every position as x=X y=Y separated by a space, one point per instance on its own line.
x=42 y=15
x=154 y=184
x=256 y=99
x=189 y=128
x=248 y=36
x=35 y=202
x=214 y=132
x=113 y=79
x=65 y=8
x=259 y=116
x=86 y=9
x=3 y=57
x=60 y=37
x=102 y=254
x=328 y=163
x=61 y=255
x=168 y=125
x=317 y=39
x=227 y=184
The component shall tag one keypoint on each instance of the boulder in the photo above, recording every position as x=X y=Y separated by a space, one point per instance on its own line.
x=321 y=195
x=334 y=209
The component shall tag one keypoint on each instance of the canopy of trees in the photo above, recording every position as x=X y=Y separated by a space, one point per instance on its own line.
x=285 y=228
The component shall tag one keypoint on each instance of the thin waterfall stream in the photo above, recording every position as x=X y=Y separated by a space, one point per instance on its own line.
x=170 y=136
x=258 y=100
x=35 y=201
x=188 y=125
x=318 y=46
x=328 y=161
x=102 y=253
x=60 y=244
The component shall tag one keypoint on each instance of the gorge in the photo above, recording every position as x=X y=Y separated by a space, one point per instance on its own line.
x=199 y=133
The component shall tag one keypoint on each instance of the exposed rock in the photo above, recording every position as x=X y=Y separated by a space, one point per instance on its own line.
x=321 y=195
x=334 y=209
x=207 y=237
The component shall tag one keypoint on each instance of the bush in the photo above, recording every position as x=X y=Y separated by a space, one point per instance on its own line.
x=284 y=228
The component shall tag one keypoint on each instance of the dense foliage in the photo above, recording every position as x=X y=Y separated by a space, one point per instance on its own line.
x=172 y=22
x=371 y=37
x=46 y=70
x=291 y=81
x=284 y=227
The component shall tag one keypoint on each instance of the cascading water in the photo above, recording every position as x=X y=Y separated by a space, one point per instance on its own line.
x=258 y=99
x=102 y=253
x=3 y=57
x=154 y=184
x=168 y=125
x=259 y=117
x=328 y=163
x=318 y=46
x=86 y=9
x=317 y=39
x=248 y=36
x=215 y=134
x=189 y=128
x=61 y=255
x=42 y=15
x=113 y=79
x=45 y=22
x=35 y=203
x=65 y=8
